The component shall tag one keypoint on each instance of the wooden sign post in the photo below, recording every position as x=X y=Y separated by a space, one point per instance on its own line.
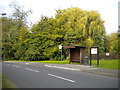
x=94 y=51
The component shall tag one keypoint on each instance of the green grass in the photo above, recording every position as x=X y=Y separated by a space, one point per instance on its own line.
x=106 y=64
x=54 y=62
x=16 y=60
x=6 y=83
x=46 y=61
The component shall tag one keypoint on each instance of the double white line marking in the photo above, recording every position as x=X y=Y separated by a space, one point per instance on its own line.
x=31 y=70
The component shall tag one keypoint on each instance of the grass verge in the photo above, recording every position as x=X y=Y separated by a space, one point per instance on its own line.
x=6 y=83
x=107 y=64
x=54 y=62
x=45 y=61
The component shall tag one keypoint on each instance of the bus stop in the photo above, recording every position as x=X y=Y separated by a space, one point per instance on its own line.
x=77 y=53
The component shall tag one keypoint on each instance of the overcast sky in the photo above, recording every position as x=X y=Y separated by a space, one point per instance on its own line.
x=107 y=8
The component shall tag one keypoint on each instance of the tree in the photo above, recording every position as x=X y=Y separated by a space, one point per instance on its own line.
x=71 y=26
x=19 y=14
x=22 y=45
x=113 y=42
x=11 y=29
x=48 y=35
x=8 y=26
x=80 y=26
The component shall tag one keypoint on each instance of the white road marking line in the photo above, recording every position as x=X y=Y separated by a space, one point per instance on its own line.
x=62 y=67
x=16 y=66
x=61 y=78
x=31 y=70
x=27 y=63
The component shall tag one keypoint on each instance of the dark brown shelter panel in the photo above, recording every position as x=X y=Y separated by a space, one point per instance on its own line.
x=76 y=53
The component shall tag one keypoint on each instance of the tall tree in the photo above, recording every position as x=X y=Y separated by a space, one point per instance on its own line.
x=80 y=26
x=49 y=37
x=19 y=14
x=72 y=26
x=7 y=37
x=11 y=29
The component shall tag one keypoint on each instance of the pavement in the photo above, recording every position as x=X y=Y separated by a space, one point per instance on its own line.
x=86 y=68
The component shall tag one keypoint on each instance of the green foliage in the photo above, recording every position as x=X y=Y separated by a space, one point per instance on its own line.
x=98 y=40
x=22 y=45
x=11 y=46
x=88 y=43
x=81 y=26
x=72 y=26
x=112 y=42
x=8 y=36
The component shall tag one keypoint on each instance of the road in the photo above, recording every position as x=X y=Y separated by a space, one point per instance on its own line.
x=26 y=75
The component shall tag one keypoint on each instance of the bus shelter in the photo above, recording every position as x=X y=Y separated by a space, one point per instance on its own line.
x=77 y=53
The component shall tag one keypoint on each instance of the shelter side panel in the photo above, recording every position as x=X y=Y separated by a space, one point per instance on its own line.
x=75 y=54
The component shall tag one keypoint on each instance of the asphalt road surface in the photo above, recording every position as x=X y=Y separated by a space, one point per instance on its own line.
x=26 y=75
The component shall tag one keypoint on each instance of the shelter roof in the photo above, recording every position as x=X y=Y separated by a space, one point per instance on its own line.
x=73 y=46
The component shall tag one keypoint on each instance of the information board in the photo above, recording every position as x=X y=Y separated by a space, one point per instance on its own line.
x=94 y=50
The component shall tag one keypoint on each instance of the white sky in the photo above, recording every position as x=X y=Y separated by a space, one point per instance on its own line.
x=107 y=8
